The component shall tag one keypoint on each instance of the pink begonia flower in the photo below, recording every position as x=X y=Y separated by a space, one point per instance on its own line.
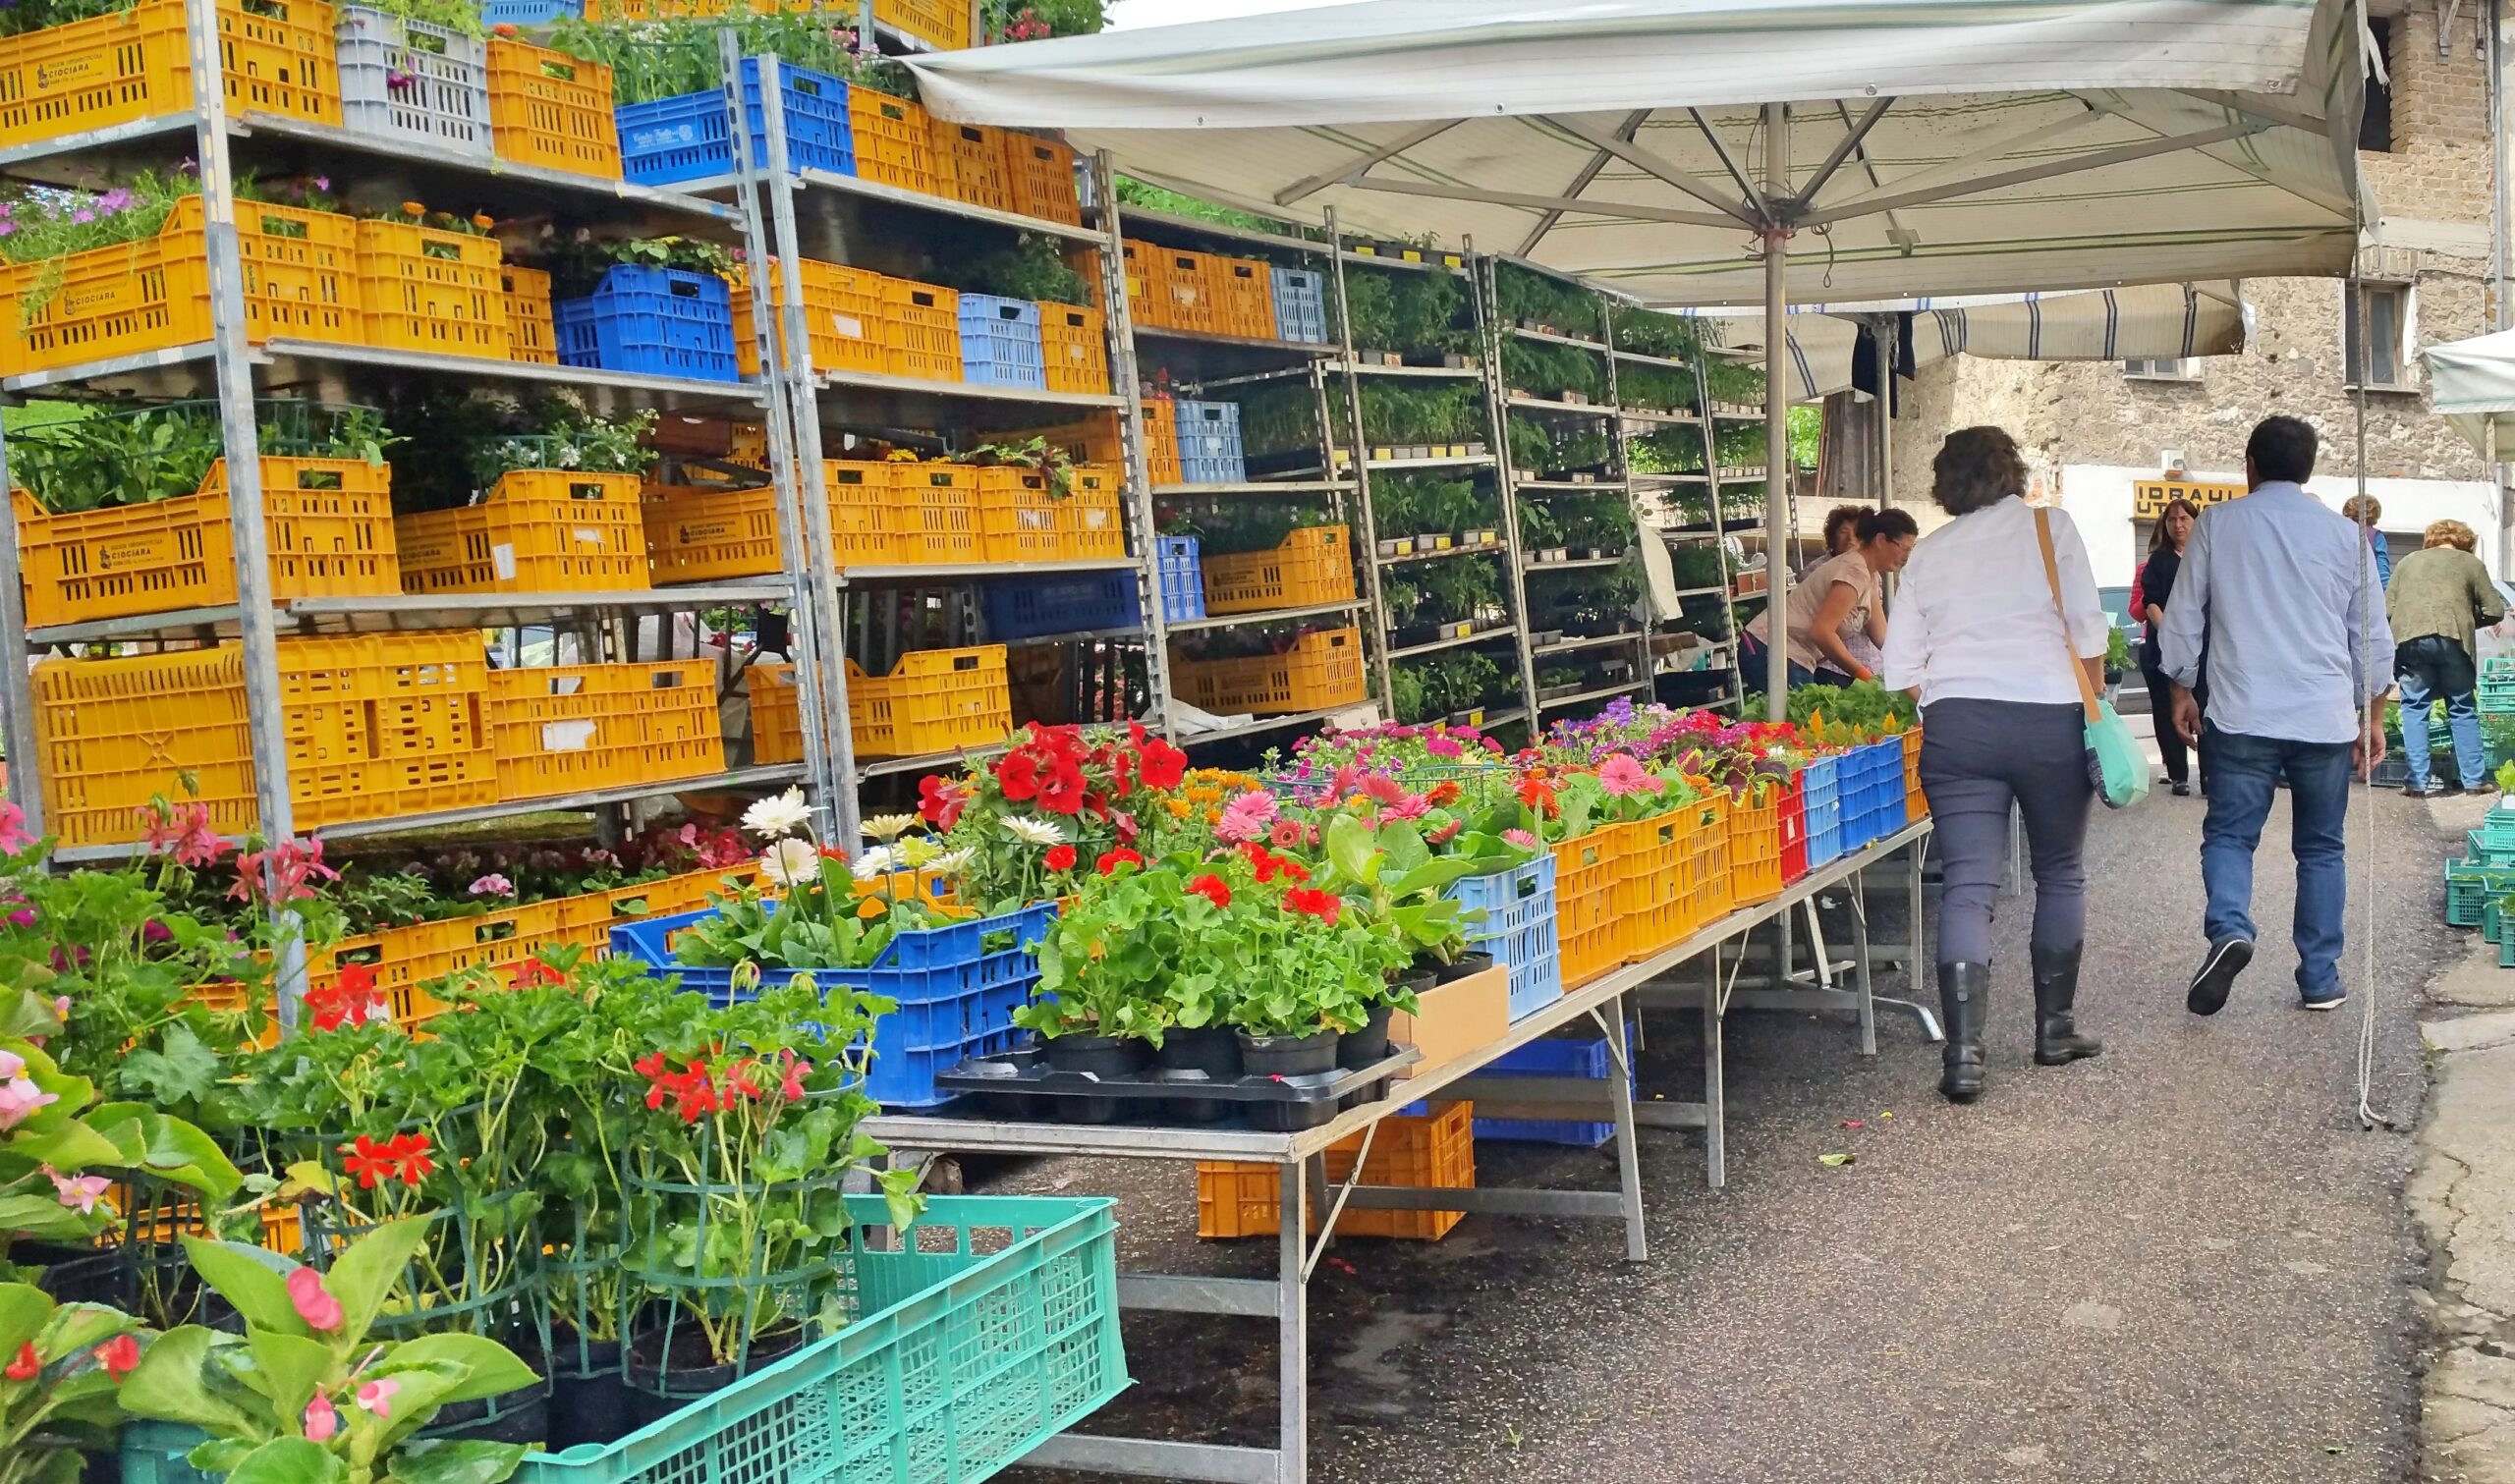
x=315 y=1303
x=322 y=1419
x=493 y=885
x=13 y=830
x=81 y=1193
x=377 y=1395
x=12 y=1065
x=20 y=1097
x=60 y=1008
x=1409 y=807
x=1245 y=817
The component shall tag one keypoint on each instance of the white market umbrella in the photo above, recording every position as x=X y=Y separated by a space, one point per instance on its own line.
x=2472 y=383
x=1731 y=151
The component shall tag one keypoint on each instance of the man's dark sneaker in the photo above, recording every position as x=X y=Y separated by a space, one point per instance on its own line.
x=2322 y=999
x=2433 y=789
x=2227 y=958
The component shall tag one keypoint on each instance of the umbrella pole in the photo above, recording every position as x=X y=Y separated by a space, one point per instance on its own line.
x=1778 y=532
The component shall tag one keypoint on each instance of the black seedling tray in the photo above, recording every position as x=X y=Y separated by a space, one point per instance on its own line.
x=1019 y=1085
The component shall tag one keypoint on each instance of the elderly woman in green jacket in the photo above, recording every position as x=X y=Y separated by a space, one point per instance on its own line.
x=2438 y=596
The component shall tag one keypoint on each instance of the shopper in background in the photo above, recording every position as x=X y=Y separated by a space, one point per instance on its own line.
x=2155 y=587
x=2437 y=597
x=1978 y=635
x=2367 y=512
x=1837 y=598
x=1842 y=533
x=2299 y=654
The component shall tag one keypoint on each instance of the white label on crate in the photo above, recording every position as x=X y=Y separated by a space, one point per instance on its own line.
x=587 y=535
x=502 y=561
x=848 y=326
x=567 y=737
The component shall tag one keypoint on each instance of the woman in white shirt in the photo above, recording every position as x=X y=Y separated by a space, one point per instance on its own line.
x=1974 y=635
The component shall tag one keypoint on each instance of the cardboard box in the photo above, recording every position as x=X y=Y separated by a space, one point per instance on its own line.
x=1463 y=1015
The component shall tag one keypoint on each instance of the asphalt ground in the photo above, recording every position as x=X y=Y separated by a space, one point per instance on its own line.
x=2182 y=1260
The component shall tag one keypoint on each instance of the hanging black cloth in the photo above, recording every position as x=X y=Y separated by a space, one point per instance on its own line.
x=1863 y=362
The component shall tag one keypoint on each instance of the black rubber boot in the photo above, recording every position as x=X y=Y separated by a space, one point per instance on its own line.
x=2058 y=1041
x=1964 y=994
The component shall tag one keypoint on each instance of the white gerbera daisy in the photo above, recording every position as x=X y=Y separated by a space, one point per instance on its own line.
x=876 y=861
x=888 y=827
x=778 y=814
x=791 y=863
x=1029 y=831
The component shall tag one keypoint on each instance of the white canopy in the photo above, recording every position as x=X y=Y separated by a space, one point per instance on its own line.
x=1933 y=148
x=2151 y=323
x=2472 y=382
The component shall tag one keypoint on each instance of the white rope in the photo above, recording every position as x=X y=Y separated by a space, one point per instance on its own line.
x=2368 y=1116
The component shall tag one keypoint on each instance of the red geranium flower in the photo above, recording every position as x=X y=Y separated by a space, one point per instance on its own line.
x=1060 y=857
x=939 y=802
x=1063 y=792
x=120 y=1356
x=1311 y=901
x=533 y=972
x=27 y=1366
x=370 y=1161
x=1019 y=777
x=409 y=1155
x=1163 y=765
x=1213 y=889
x=1111 y=861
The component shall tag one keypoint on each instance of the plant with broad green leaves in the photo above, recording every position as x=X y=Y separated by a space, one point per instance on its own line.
x=59 y=1393
x=306 y=1395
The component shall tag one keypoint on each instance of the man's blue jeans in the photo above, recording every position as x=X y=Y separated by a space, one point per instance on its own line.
x=2244 y=778
x=2462 y=719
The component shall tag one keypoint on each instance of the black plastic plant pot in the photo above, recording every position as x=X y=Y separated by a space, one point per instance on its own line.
x=1284 y=1057
x=1212 y=1050
x=1468 y=964
x=590 y=1401
x=81 y=1275
x=1098 y=1056
x=1357 y=1049
x=663 y=1386
x=522 y=1415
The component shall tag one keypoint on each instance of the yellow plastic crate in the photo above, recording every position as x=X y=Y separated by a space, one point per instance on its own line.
x=1043 y=177
x=1022 y=519
x=1586 y=873
x=531 y=337
x=566 y=727
x=920 y=331
x=894 y=141
x=1322 y=669
x=377 y=724
x=136 y=64
x=328 y=523
x=1073 y=343
x=776 y=714
x=540 y=531
x=1242 y=292
x=427 y=289
x=946 y=23
x=1313 y=565
x=970 y=164
x=152 y=294
x=933 y=700
x=1754 y=846
x=934 y=516
x=551 y=109
x=1434 y=1152
x=701 y=535
x=1704 y=898
x=842 y=315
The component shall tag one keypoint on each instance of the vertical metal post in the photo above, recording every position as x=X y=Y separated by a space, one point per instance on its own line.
x=1887 y=330
x=1362 y=470
x=1119 y=321
x=793 y=414
x=1720 y=528
x=266 y=719
x=16 y=684
x=1778 y=532
x=1716 y=1153
x=1620 y=464
x=1628 y=1152
x=1292 y=1326
x=1497 y=410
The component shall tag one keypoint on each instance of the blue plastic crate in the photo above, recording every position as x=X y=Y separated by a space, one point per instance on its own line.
x=651 y=321
x=1210 y=446
x=685 y=137
x=1000 y=342
x=1872 y=788
x=1518 y=930
x=530 y=11
x=1183 y=578
x=1820 y=786
x=1301 y=305
x=955 y=998
x=1028 y=607
x=1555 y=1057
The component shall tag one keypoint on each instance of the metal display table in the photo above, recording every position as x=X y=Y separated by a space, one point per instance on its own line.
x=1302 y=1167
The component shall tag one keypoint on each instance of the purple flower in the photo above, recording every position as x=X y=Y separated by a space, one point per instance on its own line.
x=8 y=228
x=397 y=80
x=6 y=208
x=82 y=216
x=322 y=183
x=113 y=201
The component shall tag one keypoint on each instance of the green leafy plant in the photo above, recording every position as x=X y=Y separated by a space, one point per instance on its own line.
x=1108 y=966
x=569 y=438
x=1034 y=268
x=668 y=59
x=1543 y=369
x=66 y=1367
x=577 y=267
x=143 y=454
x=1525 y=297
x=1039 y=454
x=1649 y=333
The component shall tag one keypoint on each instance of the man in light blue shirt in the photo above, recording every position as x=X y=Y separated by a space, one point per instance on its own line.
x=2300 y=657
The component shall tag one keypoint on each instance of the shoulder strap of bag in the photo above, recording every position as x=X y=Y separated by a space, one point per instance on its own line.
x=2052 y=578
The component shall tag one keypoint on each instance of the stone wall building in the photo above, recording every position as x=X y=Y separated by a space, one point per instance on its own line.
x=2091 y=429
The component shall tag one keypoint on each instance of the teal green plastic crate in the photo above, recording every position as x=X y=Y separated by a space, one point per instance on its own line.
x=995 y=1329
x=2470 y=887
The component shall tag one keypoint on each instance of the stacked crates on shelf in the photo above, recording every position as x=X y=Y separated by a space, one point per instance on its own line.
x=970 y=163
x=927 y=514
x=708 y=533
x=776 y=713
x=1209 y=445
x=1872 y=792
x=135 y=64
x=920 y=331
x=1243 y=291
x=1171 y=289
x=688 y=137
x=843 y=318
x=893 y=142
x=1030 y=608
x=413 y=81
x=955 y=992
x=941 y=23
x=1311 y=566
x=1518 y=929
x=1431 y=1151
x=433 y=291
x=1000 y=342
x=531 y=338
x=1649 y=879
x=1586 y=870
x=1322 y=670
x=1822 y=792
x=328 y=523
x=1042 y=179
x=565 y=729
x=540 y=530
x=300 y=281
x=933 y=700
x=651 y=321
x=378 y=724
x=1916 y=806
x=1755 y=843
x=1074 y=345
x=1183 y=582
x=1586 y=1057
x=1023 y=518
x=1301 y=305
x=550 y=110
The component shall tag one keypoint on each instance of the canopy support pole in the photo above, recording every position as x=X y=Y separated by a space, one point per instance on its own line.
x=1778 y=533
